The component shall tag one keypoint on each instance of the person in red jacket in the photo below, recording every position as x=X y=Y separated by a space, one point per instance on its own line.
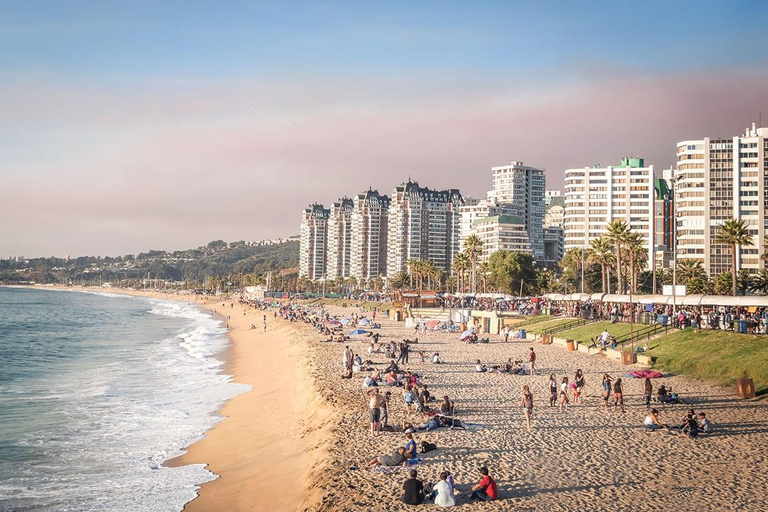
x=486 y=488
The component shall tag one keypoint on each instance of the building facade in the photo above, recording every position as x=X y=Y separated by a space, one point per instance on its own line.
x=519 y=190
x=338 y=257
x=368 y=245
x=313 y=240
x=715 y=180
x=597 y=196
x=501 y=233
x=423 y=225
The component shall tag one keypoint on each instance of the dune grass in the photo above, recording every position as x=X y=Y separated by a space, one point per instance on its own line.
x=720 y=356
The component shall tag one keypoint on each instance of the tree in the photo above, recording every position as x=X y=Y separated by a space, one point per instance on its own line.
x=638 y=256
x=688 y=270
x=376 y=284
x=483 y=272
x=759 y=282
x=617 y=234
x=734 y=233
x=473 y=246
x=399 y=281
x=601 y=252
x=414 y=269
x=571 y=266
x=508 y=269
x=461 y=264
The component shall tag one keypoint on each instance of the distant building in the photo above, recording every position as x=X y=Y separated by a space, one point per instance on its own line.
x=502 y=233
x=554 y=244
x=664 y=214
x=555 y=212
x=718 y=179
x=423 y=225
x=313 y=239
x=597 y=196
x=519 y=189
x=339 y=253
x=368 y=244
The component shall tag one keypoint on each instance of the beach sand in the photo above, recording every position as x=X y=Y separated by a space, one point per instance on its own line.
x=292 y=442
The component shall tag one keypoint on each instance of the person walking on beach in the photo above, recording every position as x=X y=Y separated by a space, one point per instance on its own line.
x=527 y=404
x=506 y=334
x=648 y=392
x=578 y=386
x=552 y=390
x=606 y=390
x=564 y=394
x=347 y=357
x=618 y=395
x=532 y=361
x=265 y=323
x=374 y=406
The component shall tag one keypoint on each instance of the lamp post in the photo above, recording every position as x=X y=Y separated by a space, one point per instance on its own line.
x=674 y=244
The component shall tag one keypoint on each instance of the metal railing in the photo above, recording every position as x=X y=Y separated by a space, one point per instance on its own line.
x=577 y=322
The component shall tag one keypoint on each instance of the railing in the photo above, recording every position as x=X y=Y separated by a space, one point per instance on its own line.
x=646 y=332
x=578 y=322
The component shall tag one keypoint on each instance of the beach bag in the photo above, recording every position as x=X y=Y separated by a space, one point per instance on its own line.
x=427 y=447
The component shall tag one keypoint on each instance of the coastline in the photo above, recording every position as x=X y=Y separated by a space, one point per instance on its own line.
x=269 y=441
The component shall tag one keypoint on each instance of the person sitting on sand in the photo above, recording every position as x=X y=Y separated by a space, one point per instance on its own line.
x=397 y=458
x=661 y=394
x=370 y=381
x=425 y=395
x=442 y=492
x=436 y=358
x=485 y=489
x=705 y=426
x=447 y=407
x=392 y=367
x=410 y=447
x=690 y=427
x=413 y=490
x=652 y=422
x=479 y=367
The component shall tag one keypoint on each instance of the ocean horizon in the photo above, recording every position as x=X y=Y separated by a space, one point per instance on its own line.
x=97 y=390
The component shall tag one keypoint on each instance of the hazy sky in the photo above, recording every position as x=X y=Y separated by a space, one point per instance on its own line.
x=127 y=126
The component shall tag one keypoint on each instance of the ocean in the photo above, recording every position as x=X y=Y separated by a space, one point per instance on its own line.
x=96 y=391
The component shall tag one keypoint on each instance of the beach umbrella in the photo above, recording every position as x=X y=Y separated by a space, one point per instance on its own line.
x=358 y=331
x=345 y=321
x=466 y=334
x=334 y=323
x=364 y=321
x=431 y=324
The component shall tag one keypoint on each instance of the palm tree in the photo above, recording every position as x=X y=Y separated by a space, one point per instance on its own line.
x=759 y=282
x=689 y=270
x=399 y=281
x=617 y=234
x=636 y=252
x=483 y=272
x=601 y=252
x=473 y=246
x=414 y=269
x=734 y=233
x=460 y=265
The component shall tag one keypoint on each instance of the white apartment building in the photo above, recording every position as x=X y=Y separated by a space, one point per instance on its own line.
x=423 y=224
x=717 y=179
x=519 y=189
x=313 y=238
x=597 y=196
x=339 y=253
x=368 y=245
x=501 y=233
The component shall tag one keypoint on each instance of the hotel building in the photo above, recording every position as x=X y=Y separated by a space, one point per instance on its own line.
x=501 y=233
x=597 y=196
x=717 y=179
x=313 y=239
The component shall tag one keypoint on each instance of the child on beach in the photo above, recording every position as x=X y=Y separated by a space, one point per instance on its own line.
x=606 y=390
x=647 y=392
x=578 y=385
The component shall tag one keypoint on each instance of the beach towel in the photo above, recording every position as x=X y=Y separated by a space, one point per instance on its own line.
x=647 y=374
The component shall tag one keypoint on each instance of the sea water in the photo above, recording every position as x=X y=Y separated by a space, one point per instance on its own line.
x=96 y=391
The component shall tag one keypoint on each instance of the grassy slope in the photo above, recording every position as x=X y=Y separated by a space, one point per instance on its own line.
x=716 y=355
x=539 y=327
x=584 y=333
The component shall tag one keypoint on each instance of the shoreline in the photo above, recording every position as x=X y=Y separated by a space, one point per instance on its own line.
x=269 y=435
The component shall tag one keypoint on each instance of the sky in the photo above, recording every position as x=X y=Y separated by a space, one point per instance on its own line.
x=129 y=126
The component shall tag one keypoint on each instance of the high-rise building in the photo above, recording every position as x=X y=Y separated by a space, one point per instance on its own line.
x=339 y=239
x=423 y=225
x=664 y=214
x=368 y=257
x=555 y=212
x=313 y=239
x=597 y=196
x=718 y=179
x=501 y=233
x=519 y=189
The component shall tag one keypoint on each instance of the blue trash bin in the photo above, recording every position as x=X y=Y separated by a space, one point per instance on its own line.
x=522 y=334
x=743 y=326
x=664 y=320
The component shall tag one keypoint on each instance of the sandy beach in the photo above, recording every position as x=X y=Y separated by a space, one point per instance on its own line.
x=299 y=440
